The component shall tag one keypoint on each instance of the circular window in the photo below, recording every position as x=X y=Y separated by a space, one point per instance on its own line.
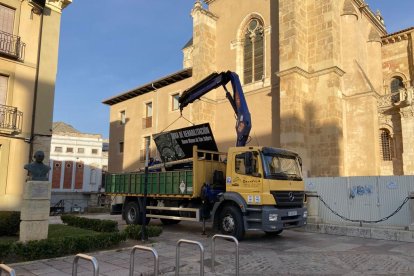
x=57 y=165
x=68 y=165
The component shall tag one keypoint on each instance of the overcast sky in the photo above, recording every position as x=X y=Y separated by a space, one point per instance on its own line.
x=107 y=48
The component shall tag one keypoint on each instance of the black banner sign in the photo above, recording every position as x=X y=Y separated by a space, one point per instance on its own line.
x=178 y=144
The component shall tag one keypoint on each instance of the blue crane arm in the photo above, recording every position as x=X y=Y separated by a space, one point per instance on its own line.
x=237 y=100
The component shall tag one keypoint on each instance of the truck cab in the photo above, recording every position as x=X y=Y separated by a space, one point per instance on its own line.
x=267 y=186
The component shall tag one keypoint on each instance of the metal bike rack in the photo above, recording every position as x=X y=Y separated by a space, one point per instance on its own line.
x=177 y=257
x=213 y=250
x=7 y=269
x=143 y=248
x=88 y=258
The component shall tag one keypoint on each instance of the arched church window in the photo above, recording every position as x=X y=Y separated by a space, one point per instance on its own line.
x=396 y=84
x=386 y=145
x=253 y=56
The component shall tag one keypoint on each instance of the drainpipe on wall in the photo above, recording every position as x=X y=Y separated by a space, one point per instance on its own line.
x=32 y=135
x=156 y=118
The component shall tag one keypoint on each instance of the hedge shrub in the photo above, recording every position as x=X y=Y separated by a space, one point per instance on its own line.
x=48 y=248
x=9 y=223
x=5 y=249
x=98 y=225
x=134 y=231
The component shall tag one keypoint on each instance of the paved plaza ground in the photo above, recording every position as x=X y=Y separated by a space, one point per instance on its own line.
x=291 y=253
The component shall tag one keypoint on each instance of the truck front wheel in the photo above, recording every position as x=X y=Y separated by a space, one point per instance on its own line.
x=231 y=222
x=133 y=214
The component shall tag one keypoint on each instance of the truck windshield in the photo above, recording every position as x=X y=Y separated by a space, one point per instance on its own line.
x=282 y=167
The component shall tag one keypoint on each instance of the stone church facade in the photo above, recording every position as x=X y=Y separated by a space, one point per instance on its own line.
x=321 y=77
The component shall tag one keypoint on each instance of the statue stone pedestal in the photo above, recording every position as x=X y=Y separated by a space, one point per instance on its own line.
x=35 y=211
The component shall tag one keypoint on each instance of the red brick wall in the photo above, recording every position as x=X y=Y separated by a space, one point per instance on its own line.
x=79 y=175
x=67 y=178
x=56 y=174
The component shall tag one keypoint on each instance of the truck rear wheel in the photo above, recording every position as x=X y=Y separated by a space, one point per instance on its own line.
x=133 y=214
x=169 y=221
x=231 y=222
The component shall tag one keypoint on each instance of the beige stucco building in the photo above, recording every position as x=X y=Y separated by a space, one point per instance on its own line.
x=29 y=39
x=321 y=77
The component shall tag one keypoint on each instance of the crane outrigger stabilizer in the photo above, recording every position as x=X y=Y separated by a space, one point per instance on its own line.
x=237 y=101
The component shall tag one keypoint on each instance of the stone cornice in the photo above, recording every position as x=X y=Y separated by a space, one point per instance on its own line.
x=57 y=5
x=398 y=36
x=370 y=93
x=199 y=8
x=309 y=75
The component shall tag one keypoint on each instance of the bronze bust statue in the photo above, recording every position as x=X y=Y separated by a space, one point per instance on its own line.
x=37 y=170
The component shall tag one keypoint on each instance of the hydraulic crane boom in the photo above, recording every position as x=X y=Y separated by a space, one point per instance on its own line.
x=237 y=101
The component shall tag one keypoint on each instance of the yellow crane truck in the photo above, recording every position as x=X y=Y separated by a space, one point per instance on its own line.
x=247 y=188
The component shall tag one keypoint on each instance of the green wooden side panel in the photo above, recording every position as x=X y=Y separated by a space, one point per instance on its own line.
x=159 y=183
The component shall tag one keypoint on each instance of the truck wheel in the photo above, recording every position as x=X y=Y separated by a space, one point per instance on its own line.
x=275 y=233
x=231 y=222
x=133 y=214
x=169 y=221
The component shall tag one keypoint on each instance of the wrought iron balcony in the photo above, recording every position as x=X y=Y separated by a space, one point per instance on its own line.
x=10 y=119
x=11 y=46
x=399 y=99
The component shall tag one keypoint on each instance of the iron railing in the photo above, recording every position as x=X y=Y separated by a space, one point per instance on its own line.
x=10 y=118
x=11 y=46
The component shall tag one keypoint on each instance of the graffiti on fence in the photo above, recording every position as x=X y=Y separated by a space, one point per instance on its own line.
x=392 y=185
x=310 y=186
x=360 y=190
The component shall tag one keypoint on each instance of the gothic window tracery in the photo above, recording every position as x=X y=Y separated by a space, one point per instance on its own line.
x=253 y=56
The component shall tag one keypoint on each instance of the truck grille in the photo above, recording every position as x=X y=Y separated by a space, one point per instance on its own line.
x=289 y=199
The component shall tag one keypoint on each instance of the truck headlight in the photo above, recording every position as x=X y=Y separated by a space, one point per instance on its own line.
x=273 y=217
x=305 y=214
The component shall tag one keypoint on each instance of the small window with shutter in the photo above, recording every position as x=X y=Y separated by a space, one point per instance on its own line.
x=6 y=19
x=3 y=89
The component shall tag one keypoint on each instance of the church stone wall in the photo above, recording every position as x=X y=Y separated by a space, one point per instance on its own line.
x=328 y=65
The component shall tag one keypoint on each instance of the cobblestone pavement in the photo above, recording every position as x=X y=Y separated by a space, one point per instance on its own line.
x=291 y=253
